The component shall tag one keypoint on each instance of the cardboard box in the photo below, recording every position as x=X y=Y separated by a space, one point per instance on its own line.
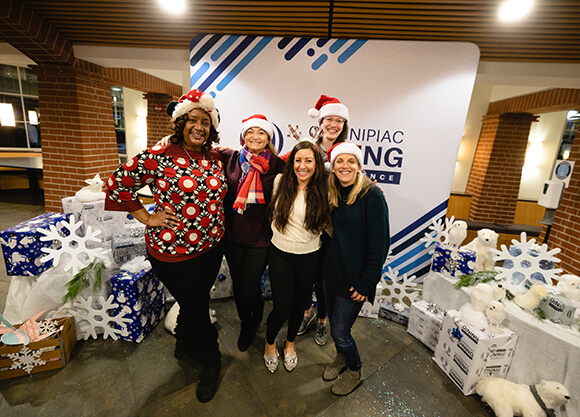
x=141 y=295
x=21 y=245
x=425 y=321
x=452 y=263
x=55 y=353
x=372 y=310
x=467 y=355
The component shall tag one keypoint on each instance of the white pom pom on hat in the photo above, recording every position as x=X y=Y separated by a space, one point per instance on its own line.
x=257 y=120
x=342 y=148
x=197 y=99
x=328 y=106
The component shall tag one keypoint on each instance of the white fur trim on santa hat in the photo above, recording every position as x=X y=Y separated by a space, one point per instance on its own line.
x=328 y=106
x=196 y=99
x=257 y=120
x=345 y=147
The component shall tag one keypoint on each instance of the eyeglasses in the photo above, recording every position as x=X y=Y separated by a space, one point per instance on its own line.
x=329 y=120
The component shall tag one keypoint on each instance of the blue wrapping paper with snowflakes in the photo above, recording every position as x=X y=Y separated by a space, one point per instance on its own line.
x=452 y=261
x=141 y=296
x=21 y=245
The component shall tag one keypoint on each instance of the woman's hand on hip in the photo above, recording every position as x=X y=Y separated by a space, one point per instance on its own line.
x=165 y=218
x=359 y=298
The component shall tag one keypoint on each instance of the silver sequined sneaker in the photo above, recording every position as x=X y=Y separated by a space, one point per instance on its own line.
x=272 y=361
x=307 y=321
x=290 y=361
x=321 y=335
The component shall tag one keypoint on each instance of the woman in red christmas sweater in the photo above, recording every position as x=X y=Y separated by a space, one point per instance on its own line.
x=184 y=234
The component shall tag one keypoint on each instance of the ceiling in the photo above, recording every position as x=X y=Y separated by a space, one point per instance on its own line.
x=551 y=33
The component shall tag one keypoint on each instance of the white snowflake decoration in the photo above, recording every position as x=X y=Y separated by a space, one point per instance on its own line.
x=99 y=318
x=73 y=245
x=27 y=359
x=439 y=233
x=48 y=326
x=526 y=265
x=403 y=289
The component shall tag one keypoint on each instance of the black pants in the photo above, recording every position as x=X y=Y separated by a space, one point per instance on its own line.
x=190 y=283
x=318 y=286
x=247 y=266
x=291 y=277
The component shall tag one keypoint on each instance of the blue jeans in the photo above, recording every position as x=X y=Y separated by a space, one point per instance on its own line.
x=342 y=312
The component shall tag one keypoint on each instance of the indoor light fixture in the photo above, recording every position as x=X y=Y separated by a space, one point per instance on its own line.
x=173 y=6
x=512 y=10
x=7 y=115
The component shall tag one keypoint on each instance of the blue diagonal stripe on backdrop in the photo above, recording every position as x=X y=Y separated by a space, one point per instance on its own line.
x=418 y=235
x=427 y=216
x=413 y=252
x=226 y=62
x=204 y=48
x=199 y=73
x=296 y=48
x=355 y=46
x=223 y=47
x=243 y=63
x=336 y=45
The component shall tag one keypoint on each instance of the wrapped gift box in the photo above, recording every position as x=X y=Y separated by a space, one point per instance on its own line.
x=265 y=285
x=222 y=287
x=399 y=312
x=467 y=355
x=21 y=245
x=141 y=296
x=453 y=263
x=93 y=214
x=128 y=243
x=132 y=221
x=558 y=309
x=425 y=321
x=537 y=277
x=44 y=355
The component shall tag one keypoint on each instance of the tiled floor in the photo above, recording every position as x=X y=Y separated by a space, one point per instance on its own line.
x=108 y=378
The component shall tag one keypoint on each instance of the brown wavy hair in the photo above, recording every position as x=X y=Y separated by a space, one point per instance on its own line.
x=317 y=208
x=178 y=124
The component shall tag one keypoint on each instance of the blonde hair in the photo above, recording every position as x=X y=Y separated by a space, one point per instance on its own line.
x=361 y=186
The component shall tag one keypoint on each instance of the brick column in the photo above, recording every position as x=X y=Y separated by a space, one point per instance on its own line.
x=566 y=226
x=495 y=176
x=158 y=121
x=78 y=134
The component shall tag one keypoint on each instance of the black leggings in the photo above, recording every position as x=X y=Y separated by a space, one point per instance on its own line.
x=291 y=277
x=190 y=283
x=247 y=266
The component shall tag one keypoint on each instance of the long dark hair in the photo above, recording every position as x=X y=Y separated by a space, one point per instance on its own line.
x=177 y=138
x=317 y=209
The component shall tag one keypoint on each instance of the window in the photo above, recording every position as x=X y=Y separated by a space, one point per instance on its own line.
x=119 y=119
x=572 y=122
x=19 y=112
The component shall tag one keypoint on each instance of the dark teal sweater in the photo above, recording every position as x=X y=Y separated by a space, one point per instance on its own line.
x=360 y=244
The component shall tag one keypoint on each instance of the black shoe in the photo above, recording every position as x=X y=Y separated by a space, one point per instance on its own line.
x=209 y=378
x=246 y=338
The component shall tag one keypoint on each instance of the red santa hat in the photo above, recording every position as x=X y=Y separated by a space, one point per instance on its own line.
x=328 y=106
x=344 y=147
x=257 y=120
x=197 y=99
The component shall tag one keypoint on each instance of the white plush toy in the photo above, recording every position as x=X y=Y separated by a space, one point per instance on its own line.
x=508 y=399
x=457 y=233
x=486 y=239
x=481 y=296
x=92 y=192
x=532 y=298
x=495 y=314
x=569 y=286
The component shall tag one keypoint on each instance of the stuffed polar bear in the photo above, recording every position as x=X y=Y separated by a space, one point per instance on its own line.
x=486 y=239
x=508 y=399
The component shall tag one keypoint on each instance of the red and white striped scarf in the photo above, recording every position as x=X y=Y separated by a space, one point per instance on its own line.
x=250 y=188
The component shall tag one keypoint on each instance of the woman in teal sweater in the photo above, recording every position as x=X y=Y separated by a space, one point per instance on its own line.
x=354 y=262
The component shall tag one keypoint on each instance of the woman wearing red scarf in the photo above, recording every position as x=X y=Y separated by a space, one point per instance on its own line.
x=250 y=173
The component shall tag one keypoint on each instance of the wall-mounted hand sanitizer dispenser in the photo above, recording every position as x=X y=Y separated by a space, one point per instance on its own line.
x=551 y=194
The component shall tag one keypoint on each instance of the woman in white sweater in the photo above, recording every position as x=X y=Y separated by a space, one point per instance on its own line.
x=299 y=212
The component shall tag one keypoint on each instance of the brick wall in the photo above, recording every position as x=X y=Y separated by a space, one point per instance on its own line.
x=495 y=176
x=554 y=99
x=565 y=232
x=78 y=134
x=158 y=121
